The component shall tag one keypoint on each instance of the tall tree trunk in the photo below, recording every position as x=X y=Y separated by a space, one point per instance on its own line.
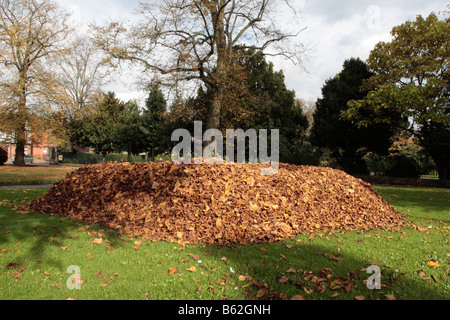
x=213 y=121
x=20 y=134
x=19 y=160
x=218 y=15
x=214 y=113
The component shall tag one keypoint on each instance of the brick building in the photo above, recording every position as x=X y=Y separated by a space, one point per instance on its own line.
x=38 y=152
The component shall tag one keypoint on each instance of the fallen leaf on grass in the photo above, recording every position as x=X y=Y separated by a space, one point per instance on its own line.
x=137 y=244
x=97 y=241
x=360 y=298
x=390 y=296
x=298 y=297
x=433 y=264
x=308 y=290
x=336 y=257
x=419 y=228
x=173 y=270
x=242 y=278
x=291 y=270
x=192 y=269
x=46 y=273
x=261 y=293
x=194 y=256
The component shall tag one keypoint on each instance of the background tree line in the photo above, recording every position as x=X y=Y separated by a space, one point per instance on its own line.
x=392 y=110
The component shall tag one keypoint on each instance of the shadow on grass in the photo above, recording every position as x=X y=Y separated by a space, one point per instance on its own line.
x=287 y=269
x=38 y=239
x=425 y=202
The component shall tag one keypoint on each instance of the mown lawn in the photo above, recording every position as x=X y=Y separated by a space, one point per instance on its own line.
x=31 y=174
x=36 y=251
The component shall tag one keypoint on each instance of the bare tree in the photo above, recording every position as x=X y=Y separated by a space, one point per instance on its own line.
x=193 y=40
x=31 y=32
x=82 y=75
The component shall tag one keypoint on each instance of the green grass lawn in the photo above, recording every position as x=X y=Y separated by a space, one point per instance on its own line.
x=10 y=175
x=37 y=249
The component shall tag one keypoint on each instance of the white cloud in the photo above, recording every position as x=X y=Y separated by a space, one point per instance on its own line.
x=339 y=30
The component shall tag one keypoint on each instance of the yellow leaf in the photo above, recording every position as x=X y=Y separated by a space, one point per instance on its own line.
x=433 y=264
x=192 y=269
x=242 y=278
x=308 y=290
x=227 y=189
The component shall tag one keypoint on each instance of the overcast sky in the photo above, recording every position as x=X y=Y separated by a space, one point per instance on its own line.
x=336 y=30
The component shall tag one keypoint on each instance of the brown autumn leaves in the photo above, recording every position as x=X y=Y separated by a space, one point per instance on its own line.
x=219 y=204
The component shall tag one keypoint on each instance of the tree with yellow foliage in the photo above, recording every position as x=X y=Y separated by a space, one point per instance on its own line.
x=32 y=32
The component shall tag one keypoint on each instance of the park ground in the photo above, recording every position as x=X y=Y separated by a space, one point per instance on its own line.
x=38 y=250
x=32 y=174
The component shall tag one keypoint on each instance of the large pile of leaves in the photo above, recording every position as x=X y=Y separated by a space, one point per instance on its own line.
x=220 y=204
